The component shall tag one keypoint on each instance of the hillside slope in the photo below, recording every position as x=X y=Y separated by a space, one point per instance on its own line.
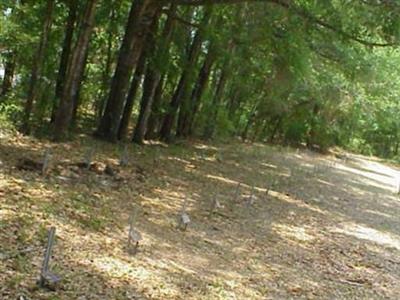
x=327 y=229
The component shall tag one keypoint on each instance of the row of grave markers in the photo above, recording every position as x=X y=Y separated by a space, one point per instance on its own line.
x=50 y=279
x=87 y=159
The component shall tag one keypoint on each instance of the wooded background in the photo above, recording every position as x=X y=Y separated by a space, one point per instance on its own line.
x=318 y=73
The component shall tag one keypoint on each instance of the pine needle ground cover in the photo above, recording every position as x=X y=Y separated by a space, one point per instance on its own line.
x=328 y=228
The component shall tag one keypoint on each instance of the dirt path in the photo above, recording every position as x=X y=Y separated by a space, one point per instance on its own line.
x=328 y=228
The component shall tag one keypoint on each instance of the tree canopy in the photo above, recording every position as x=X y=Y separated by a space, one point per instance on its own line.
x=318 y=73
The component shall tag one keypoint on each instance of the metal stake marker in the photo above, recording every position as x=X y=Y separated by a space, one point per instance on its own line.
x=47 y=277
x=251 y=198
x=133 y=235
x=88 y=158
x=46 y=162
x=237 y=192
x=215 y=203
x=184 y=218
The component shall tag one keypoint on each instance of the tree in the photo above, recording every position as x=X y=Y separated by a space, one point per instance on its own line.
x=37 y=67
x=65 y=54
x=76 y=64
x=182 y=89
x=301 y=72
x=153 y=75
x=9 y=69
x=136 y=28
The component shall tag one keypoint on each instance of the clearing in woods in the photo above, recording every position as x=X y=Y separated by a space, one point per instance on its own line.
x=328 y=228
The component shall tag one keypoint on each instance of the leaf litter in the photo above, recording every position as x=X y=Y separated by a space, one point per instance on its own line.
x=321 y=232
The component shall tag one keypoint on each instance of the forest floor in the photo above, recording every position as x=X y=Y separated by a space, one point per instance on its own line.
x=329 y=227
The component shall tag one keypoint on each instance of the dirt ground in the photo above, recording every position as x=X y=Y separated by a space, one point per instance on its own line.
x=328 y=228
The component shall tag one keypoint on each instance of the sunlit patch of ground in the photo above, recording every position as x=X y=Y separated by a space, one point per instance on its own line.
x=367 y=233
x=317 y=227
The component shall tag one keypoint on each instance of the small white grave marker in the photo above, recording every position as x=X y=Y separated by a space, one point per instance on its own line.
x=87 y=160
x=124 y=159
x=46 y=163
x=134 y=236
x=251 y=199
x=237 y=193
x=215 y=203
x=184 y=219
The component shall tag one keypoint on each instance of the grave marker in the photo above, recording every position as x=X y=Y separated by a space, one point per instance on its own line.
x=87 y=160
x=184 y=219
x=134 y=236
x=237 y=191
x=215 y=203
x=250 y=200
x=124 y=159
x=46 y=162
x=269 y=187
x=48 y=278
x=156 y=157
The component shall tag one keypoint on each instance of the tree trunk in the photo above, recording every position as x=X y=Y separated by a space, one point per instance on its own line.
x=77 y=62
x=106 y=78
x=278 y=122
x=210 y=127
x=130 y=100
x=153 y=76
x=197 y=93
x=37 y=67
x=155 y=114
x=181 y=91
x=141 y=12
x=9 y=69
x=234 y=102
x=252 y=116
x=65 y=55
x=145 y=107
x=310 y=139
x=77 y=96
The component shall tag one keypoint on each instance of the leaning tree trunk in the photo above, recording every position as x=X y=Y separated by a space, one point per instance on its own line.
x=197 y=93
x=65 y=54
x=37 y=67
x=130 y=100
x=153 y=76
x=77 y=96
x=210 y=126
x=187 y=116
x=145 y=107
x=156 y=111
x=106 y=78
x=141 y=12
x=8 y=78
x=154 y=117
x=182 y=89
x=77 y=62
x=147 y=55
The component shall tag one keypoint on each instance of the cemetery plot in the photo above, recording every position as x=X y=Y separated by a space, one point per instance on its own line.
x=271 y=234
